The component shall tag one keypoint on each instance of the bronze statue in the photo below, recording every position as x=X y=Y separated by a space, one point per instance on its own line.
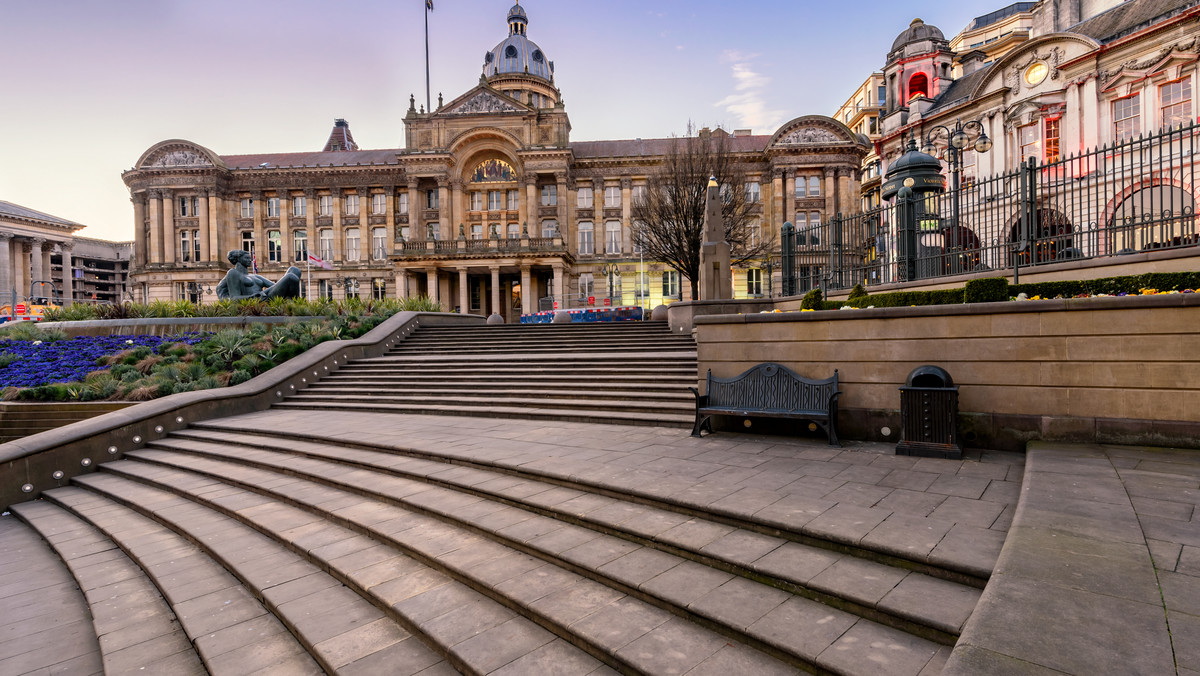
x=240 y=283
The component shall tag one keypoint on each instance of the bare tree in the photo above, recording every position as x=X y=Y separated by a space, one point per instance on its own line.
x=669 y=216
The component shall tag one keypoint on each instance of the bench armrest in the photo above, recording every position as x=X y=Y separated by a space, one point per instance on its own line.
x=701 y=399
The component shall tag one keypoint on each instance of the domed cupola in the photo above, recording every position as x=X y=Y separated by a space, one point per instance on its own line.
x=517 y=54
x=519 y=68
x=918 y=31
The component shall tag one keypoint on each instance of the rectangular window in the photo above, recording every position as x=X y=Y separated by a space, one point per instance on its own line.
x=350 y=205
x=189 y=206
x=550 y=195
x=404 y=230
x=752 y=192
x=583 y=199
x=324 y=289
x=639 y=194
x=185 y=246
x=753 y=232
x=639 y=230
x=814 y=186
x=1176 y=98
x=431 y=199
x=326 y=236
x=612 y=197
x=272 y=207
x=587 y=285
x=247 y=208
x=379 y=288
x=325 y=205
x=882 y=95
x=402 y=203
x=1127 y=117
x=379 y=204
x=300 y=206
x=476 y=201
x=183 y=207
x=670 y=284
x=514 y=197
x=1051 y=140
x=274 y=246
x=612 y=237
x=641 y=285
x=477 y=231
x=549 y=228
x=353 y=252
x=378 y=243
x=801 y=186
x=514 y=231
x=432 y=231
x=754 y=282
x=587 y=245
x=1030 y=142
x=495 y=200
x=300 y=246
x=968 y=166
x=248 y=242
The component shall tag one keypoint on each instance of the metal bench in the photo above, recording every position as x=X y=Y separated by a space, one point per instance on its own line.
x=769 y=391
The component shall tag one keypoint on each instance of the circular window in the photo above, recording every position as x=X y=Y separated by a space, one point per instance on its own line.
x=510 y=52
x=537 y=56
x=1036 y=72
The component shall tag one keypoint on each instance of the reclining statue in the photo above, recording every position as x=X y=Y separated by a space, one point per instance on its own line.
x=240 y=283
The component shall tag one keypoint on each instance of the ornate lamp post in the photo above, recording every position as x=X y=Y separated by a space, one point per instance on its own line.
x=957 y=140
x=611 y=271
x=347 y=283
x=197 y=290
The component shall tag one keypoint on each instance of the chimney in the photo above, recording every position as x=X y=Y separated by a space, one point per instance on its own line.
x=972 y=61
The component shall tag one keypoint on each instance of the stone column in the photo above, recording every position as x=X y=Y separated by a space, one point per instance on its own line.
x=47 y=267
x=444 y=209
x=627 y=226
x=68 y=274
x=560 y=180
x=402 y=283
x=556 y=284
x=457 y=209
x=364 y=224
x=390 y=206
x=464 y=298
x=205 y=227
x=335 y=196
x=168 y=236
x=7 y=283
x=310 y=224
x=24 y=269
x=1089 y=105
x=36 y=274
x=532 y=204
x=431 y=277
x=139 y=230
x=258 y=209
x=845 y=197
x=416 y=229
x=495 y=289
x=526 y=291
x=156 y=234
x=830 y=193
x=787 y=199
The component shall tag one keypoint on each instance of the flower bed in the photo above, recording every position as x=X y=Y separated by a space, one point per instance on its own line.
x=31 y=363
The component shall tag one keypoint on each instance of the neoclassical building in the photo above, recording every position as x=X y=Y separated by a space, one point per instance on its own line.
x=28 y=241
x=489 y=208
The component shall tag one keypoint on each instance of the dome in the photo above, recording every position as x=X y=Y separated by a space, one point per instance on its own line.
x=517 y=54
x=918 y=31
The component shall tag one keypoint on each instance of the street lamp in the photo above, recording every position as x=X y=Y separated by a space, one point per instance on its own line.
x=348 y=283
x=610 y=278
x=957 y=140
x=197 y=290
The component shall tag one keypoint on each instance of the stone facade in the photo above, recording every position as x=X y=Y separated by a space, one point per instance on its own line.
x=489 y=208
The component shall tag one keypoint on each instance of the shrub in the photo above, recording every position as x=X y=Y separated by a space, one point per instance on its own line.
x=857 y=292
x=7 y=358
x=812 y=300
x=990 y=290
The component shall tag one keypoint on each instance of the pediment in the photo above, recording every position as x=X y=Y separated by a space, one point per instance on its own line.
x=178 y=154
x=813 y=130
x=1052 y=50
x=482 y=101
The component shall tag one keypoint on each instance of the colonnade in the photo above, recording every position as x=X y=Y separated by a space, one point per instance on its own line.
x=25 y=260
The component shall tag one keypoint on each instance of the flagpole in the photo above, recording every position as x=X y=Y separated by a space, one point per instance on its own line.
x=428 y=100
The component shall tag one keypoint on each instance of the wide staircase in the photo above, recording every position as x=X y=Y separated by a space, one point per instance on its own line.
x=634 y=373
x=230 y=549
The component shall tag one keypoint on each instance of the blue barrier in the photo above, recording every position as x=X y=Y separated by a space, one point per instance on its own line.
x=588 y=315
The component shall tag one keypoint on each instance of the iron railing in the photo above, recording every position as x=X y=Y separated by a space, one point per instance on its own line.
x=1118 y=199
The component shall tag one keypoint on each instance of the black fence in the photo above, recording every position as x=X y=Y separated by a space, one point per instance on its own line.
x=1119 y=199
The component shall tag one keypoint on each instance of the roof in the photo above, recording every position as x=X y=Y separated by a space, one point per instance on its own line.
x=656 y=147
x=344 y=158
x=340 y=138
x=960 y=89
x=993 y=17
x=1129 y=17
x=917 y=31
x=17 y=211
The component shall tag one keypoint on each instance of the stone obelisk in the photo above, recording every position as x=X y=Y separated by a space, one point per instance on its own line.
x=716 y=281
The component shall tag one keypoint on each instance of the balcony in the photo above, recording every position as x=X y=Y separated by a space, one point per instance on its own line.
x=482 y=248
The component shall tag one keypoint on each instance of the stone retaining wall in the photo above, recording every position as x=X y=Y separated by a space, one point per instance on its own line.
x=1121 y=370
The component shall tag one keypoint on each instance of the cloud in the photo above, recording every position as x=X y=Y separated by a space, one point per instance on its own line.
x=748 y=102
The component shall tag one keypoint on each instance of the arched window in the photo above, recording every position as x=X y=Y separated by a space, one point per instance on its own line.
x=918 y=85
x=1153 y=217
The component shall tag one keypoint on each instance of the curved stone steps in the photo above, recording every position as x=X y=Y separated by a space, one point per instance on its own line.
x=473 y=376
x=524 y=361
x=250 y=606
x=601 y=397
x=656 y=417
x=603 y=576
x=135 y=627
x=752 y=553
x=642 y=389
x=45 y=623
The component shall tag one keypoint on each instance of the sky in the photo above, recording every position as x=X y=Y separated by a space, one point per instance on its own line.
x=87 y=86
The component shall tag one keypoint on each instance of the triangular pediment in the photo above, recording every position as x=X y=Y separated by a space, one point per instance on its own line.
x=482 y=100
x=813 y=130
